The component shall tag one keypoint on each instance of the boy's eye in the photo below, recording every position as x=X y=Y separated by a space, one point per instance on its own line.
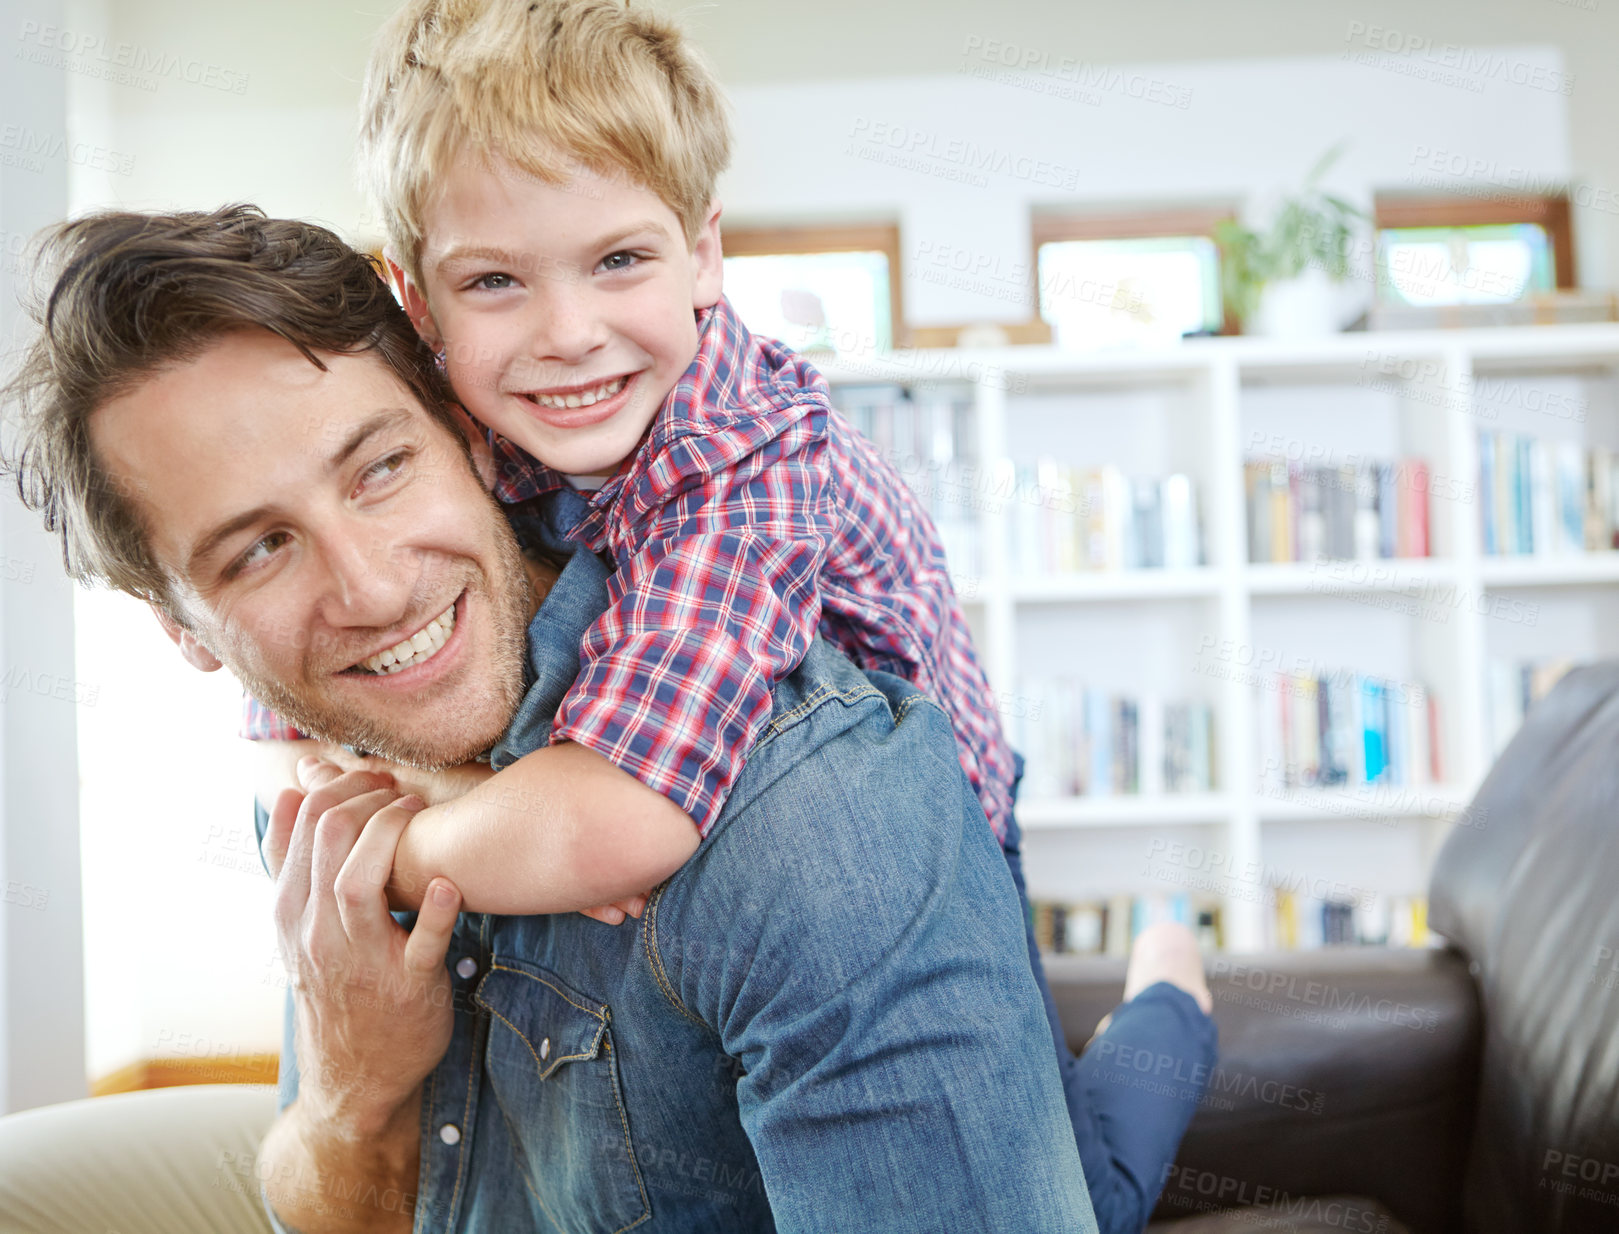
x=619 y=261
x=493 y=282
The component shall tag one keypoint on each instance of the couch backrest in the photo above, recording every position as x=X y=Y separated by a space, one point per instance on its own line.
x=1528 y=886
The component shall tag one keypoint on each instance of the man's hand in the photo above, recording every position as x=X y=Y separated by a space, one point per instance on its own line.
x=433 y=787
x=373 y=1014
x=374 y=999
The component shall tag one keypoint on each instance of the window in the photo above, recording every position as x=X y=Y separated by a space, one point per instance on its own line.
x=1147 y=276
x=817 y=288
x=1436 y=251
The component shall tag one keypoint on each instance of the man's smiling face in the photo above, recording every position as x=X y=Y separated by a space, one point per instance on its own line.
x=329 y=542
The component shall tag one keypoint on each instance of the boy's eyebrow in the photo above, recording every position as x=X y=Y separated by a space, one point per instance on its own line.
x=363 y=432
x=634 y=229
x=477 y=252
x=505 y=257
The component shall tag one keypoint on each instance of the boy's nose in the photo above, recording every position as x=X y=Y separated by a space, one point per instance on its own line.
x=566 y=330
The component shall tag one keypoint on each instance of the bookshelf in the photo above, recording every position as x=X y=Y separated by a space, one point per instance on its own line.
x=1204 y=409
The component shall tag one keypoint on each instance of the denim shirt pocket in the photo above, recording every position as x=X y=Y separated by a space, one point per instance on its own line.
x=551 y=1069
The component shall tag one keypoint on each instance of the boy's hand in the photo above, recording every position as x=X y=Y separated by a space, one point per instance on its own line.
x=614 y=913
x=403 y=890
x=432 y=787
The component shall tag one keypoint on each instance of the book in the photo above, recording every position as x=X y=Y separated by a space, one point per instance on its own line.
x=1299 y=922
x=1541 y=497
x=1079 y=741
x=1110 y=926
x=1363 y=511
x=1343 y=729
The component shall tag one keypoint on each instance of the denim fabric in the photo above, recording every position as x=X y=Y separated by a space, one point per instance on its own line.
x=825 y=1020
x=1133 y=1091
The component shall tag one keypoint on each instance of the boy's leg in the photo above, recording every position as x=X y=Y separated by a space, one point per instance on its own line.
x=167 y=1161
x=866 y=971
x=1128 y=1119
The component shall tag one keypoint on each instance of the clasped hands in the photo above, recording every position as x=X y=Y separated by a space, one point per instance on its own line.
x=388 y=784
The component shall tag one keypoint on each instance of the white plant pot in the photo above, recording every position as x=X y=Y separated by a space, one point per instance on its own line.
x=1308 y=306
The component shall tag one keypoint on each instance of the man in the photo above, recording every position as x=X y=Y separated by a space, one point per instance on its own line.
x=825 y=1020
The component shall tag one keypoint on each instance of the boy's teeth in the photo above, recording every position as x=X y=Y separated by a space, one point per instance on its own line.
x=583 y=399
x=420 y=646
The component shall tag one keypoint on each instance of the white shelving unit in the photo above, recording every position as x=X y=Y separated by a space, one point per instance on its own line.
x=1204 y=407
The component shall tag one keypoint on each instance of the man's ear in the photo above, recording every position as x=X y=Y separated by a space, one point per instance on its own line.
x=709 y=260
x=195 y=653
x=483 y=458
x=415 y=303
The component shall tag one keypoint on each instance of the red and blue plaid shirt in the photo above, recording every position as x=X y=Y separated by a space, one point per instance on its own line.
x=751 y=517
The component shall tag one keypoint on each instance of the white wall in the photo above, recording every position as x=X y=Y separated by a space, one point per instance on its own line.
x=179 y=949
x=961 y=160
x=41 y=967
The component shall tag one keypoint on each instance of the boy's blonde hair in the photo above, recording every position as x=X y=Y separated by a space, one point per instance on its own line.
x=548 y=86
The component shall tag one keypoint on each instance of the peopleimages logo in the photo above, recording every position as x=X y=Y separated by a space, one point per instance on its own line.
x=124 y=63
x=953 y=158
x=29 y=148
x=1455 y=64
x=1024 y=65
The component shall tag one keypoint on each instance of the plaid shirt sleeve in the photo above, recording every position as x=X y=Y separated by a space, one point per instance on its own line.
x=259 y=723
x=716 y=601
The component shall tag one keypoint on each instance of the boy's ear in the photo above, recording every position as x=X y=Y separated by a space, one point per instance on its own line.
x=483 y=458
x=415 y=303
x=195 y=653
x=709 y=261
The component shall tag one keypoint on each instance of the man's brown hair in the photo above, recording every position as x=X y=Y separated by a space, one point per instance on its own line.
x=124 y=295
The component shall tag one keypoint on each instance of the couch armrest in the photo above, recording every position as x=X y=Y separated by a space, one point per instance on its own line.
x=1342 y=1071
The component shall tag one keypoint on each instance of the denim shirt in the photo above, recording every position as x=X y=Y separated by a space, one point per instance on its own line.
x=824 y=1020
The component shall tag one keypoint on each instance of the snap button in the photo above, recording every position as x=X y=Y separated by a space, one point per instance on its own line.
x=466 y=966
x=545 y=1048
x=450 y=1133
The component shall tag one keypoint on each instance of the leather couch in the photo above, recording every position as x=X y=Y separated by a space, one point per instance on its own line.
x=1471 y=1088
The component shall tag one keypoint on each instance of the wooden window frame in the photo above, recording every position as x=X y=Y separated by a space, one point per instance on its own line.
x=1550 y=211
x=1056 y=227
x=779 y=240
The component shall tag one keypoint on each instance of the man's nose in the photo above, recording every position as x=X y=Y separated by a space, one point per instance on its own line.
x=369 y=581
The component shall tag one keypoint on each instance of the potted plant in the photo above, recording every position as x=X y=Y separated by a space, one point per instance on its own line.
x=1282 y=281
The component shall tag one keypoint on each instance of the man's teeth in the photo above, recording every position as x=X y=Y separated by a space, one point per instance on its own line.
x=420 y=646
x=583 y=399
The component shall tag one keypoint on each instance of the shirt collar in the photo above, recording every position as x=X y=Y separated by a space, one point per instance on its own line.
x=573 y=604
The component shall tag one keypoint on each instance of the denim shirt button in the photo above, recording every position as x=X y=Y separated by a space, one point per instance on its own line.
x=466 y=966
x=545 y=1048
x=450 y=1133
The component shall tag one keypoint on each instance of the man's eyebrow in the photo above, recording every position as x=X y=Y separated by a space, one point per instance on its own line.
x=363 y=432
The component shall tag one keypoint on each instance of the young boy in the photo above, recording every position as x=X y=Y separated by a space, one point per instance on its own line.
x=547 y=174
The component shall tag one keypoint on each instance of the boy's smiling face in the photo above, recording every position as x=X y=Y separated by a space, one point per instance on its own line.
x=565 y=312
